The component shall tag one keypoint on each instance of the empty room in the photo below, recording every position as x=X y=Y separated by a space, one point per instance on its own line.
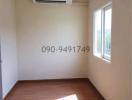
x=65 y=49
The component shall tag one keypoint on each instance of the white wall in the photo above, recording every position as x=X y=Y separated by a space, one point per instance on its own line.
x=8 y=44
x=39 y=25
x=131 y=47
x=112 y=79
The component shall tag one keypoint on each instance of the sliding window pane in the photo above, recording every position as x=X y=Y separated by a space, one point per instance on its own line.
x=97 y=34
x=107 y=33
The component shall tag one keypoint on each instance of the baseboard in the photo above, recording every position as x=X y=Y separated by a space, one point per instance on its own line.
x=68 y=79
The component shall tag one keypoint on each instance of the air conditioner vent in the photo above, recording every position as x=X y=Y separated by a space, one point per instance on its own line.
x=53 y=1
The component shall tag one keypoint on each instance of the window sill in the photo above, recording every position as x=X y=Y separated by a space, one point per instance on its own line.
x=103 y=59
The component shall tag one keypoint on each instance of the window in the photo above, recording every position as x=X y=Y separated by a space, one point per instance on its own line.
x=102 y=32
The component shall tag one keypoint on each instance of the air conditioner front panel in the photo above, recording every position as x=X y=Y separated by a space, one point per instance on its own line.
x=48 y=0
x=52 y=1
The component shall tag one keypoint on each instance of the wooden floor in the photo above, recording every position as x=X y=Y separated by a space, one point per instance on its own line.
x=54 y=90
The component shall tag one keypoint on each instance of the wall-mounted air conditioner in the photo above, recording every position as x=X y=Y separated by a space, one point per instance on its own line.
x=53 y=1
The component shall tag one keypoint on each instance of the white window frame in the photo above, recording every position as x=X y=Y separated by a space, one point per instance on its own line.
x=103 y=9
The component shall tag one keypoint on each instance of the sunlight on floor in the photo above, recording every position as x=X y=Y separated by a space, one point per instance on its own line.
x=71 y=97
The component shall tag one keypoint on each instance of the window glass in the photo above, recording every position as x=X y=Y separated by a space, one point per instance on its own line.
x=107 y=33
x=97 y=32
